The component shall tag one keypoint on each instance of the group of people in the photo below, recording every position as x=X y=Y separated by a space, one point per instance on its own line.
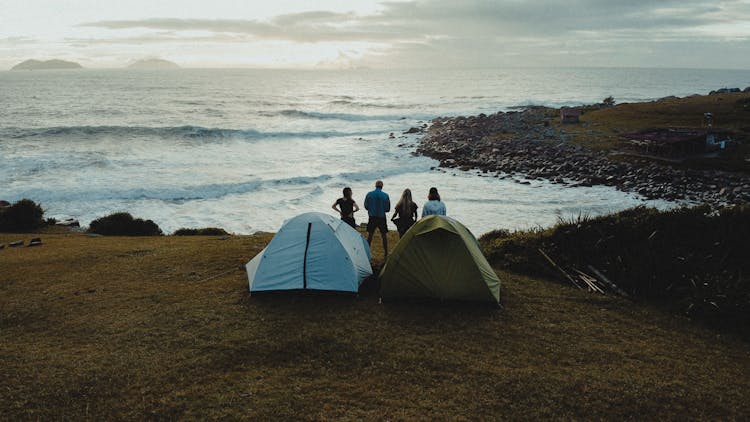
x=378 y=203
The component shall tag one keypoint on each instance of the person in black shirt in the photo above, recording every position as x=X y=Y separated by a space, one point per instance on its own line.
x=404 y=213
x=346 y=207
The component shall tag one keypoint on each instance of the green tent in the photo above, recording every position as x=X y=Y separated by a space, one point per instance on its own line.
x=439 y=258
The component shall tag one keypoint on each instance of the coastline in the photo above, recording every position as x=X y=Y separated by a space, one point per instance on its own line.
x=529 y=144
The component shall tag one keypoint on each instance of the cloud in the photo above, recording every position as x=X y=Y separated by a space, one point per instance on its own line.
x=409 y=21
x=481 y=32
x=311 y=27
x=17 y=41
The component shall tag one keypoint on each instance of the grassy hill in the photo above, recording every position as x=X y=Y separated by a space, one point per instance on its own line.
x=601 y=128
x=134 y=328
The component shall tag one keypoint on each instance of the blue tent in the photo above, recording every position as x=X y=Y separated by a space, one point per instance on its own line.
x=312 y=251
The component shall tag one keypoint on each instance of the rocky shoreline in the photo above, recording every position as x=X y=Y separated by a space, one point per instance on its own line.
x=525 y=145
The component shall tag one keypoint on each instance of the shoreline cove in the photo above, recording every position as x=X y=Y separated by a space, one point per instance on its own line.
x=524 y=144
x=246 y=150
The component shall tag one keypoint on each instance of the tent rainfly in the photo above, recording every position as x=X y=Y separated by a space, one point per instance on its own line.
x=439 y=258
x=312 y=251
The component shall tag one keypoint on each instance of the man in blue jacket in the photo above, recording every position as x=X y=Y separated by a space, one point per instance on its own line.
x=377 y=203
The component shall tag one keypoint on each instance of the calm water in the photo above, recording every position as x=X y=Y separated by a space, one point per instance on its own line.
x=247 y=149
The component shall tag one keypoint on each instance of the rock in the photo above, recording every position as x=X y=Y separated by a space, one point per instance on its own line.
x=413 y=130
x=153 y=64
x=53 y=64
x=724 y=91
x=70 y=222
x=530 y=151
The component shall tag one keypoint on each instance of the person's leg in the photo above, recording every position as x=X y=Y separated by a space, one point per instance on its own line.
x=370 y=230
x=384 y=234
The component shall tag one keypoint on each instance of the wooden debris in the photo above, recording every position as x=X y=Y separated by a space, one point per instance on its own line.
x=571 y=279
x=590 y=281
x=612 y=286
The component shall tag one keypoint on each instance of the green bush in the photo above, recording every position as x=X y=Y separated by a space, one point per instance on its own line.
x=123 y=224
x=693 y=260
x=207 y=231
x=23 y=216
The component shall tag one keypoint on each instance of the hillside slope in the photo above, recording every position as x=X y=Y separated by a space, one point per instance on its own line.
x=131 y=328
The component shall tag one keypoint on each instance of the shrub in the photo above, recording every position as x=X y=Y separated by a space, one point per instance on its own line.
x=23 y=216
x=123 y=224
x=694 y=260
x=207 y=231
x=494 y=235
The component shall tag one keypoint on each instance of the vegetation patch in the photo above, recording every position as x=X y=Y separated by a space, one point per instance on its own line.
x=693 y=260
x=151 y=336
x=123 y=224
x=24 y=216
x=602 y=127
x=206 y=231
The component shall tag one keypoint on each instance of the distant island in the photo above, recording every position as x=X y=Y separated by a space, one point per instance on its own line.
x=32 y=64
x=153 y=64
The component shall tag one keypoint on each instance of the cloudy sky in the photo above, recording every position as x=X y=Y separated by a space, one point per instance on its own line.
x=392 y=34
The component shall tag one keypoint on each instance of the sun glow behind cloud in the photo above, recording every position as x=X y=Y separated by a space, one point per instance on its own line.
x=420 y=33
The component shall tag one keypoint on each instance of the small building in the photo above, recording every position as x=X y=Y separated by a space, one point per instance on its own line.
x=570 y=115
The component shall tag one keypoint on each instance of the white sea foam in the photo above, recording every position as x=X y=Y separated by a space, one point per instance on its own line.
x=245 y=150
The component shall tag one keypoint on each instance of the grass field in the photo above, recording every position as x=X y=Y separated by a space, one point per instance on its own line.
x=129 y=328
x=601 y=129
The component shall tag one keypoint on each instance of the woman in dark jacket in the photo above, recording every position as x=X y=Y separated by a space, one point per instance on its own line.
x=404 y=213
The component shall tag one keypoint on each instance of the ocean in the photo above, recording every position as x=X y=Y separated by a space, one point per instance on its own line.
x=246 y=149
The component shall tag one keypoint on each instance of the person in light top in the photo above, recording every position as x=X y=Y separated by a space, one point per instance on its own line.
x=434 y=205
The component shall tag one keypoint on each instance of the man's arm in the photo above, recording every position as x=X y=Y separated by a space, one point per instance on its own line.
x=387 y=203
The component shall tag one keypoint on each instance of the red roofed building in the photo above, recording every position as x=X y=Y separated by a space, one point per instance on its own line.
x=570 y=115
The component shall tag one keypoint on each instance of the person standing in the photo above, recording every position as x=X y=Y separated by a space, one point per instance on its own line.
x=404 y=213
x=434 y=205
x=346 y=207
x=377 y=203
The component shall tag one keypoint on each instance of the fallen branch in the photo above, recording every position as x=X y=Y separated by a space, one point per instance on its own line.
x=560 y=269
x=608 y=282
x=590 y=281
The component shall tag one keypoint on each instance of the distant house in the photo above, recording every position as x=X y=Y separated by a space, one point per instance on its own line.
x=570 y=115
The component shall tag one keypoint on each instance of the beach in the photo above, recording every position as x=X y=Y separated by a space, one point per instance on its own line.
x=530 y=144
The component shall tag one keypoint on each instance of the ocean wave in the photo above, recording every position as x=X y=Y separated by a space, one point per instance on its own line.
x=299 y=114
x=360 y=104
x=196 y=192
x=95 y=192
x=184 y=132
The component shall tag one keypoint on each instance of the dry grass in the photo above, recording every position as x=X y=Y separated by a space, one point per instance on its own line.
x=601 y=129
x=124 y=328
x=730 y=112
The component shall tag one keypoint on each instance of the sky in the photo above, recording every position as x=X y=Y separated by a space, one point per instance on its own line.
x=332 y=34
